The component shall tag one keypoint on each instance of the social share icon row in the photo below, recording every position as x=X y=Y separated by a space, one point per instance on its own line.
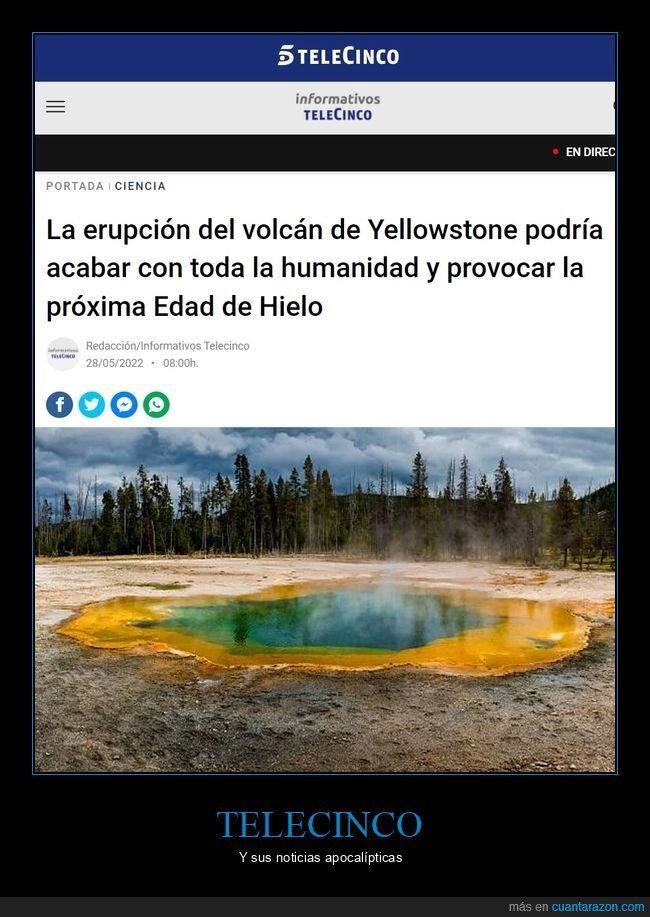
x=92 y=404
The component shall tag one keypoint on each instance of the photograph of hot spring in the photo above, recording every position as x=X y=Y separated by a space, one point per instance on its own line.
x=362 y=600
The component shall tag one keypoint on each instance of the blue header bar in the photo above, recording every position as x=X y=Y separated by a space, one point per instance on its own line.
x=311 y=57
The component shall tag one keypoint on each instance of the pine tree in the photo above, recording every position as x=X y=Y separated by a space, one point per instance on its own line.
x=44 y=527
x=107 y=533
x=484 y=513
x=66 y=525
x=417 y=489
x=273 y=515
x=261 y=513
x=450 y=486
x=282 y=512
x=533 y=534
x=504 y=501
x=326 y=509
x=564 y=519
x=419 y=504
x=185 y=516
x=222 y=496
x=146 y=501
x=309 y=489
x=463 y=486
x=242 y=505
x=127 y=507
x=166 y=518
x=294 y=527
x=503 y=489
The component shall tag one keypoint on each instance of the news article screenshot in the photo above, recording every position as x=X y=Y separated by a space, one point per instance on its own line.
x=325 y=446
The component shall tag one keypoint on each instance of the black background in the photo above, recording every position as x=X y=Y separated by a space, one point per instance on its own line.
x=482 y=835
x=328 y=153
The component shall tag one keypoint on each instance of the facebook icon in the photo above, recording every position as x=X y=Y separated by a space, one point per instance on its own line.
x=59 y=404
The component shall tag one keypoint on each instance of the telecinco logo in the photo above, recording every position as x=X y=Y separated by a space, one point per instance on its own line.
x=335 y=56
x=285 y=55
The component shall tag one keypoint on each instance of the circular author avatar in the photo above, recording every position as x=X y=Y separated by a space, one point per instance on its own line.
x=63 y=354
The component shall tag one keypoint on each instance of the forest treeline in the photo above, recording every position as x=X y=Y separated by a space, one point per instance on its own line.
x=471 y=517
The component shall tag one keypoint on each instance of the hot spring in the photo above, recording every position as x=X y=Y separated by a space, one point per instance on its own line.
x=340 y=625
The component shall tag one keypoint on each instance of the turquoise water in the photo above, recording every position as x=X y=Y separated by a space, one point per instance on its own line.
x=367 y=620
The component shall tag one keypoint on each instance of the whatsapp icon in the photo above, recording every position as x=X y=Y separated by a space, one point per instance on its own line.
x=156 y=404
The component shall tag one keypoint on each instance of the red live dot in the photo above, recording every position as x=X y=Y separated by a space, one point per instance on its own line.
x=556 y=151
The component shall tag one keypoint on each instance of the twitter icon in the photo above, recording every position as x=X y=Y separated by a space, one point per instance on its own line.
x=91 y=404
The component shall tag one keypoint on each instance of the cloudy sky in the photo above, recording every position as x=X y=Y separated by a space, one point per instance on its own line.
x=536 y=456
